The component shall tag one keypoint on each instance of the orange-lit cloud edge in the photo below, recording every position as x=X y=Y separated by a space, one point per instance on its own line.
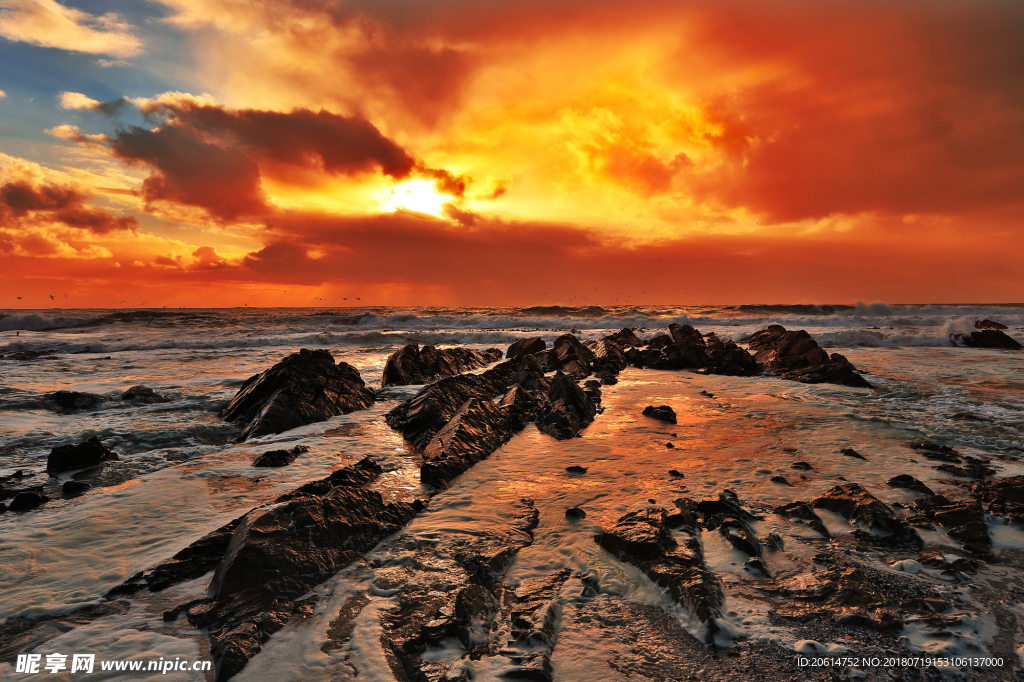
x=532 y=153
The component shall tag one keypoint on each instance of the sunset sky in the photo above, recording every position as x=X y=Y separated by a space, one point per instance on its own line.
x=303 y=152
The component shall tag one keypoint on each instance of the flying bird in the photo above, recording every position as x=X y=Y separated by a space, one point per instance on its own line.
x=19 y=298
x=52 y=298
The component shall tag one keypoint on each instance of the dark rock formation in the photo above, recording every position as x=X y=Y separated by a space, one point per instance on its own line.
x=519 y=406
x=941 y=453
x=797 y=356
x=476 y=430
x=414 y=365
x=574 y=469
x=75 y=488
x=575 y=513
x=454 y=591
x=278 y=553
x=965 y=521
x=989 y=324
x=422 y=416
x=530 y=375
x=27 y=500
x=525 y=347
x=863 y=509
x=662 y=413
x=88 y=453
x=143 y=395
x=625 y=338
x=642 y=538
x=781 y=480
x=729 y=359
x=303 y=388
x=850 y=452
x=76 y=400
x=608 y=358
x=909 y=482
x=571 y=356
x=986 y=338
x=279 y=458
x=801 y=512
x=568 y=410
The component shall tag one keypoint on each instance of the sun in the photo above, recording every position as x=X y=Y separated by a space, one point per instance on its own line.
x=416 y=195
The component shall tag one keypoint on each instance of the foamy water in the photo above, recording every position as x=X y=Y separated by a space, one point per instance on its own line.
x=183 y=475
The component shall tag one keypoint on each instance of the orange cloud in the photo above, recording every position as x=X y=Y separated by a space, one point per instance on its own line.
x=48 y=23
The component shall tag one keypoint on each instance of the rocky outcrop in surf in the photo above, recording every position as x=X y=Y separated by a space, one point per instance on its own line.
x=988 y=337
x=88 y=453
x=414 y=365
x=303 y=388
x=794 y=355
x=568 y=409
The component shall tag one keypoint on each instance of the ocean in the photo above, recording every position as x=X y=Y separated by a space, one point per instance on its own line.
x=181 y=473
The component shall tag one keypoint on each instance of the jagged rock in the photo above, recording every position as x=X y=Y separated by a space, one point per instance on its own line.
x=519 y=406
x=781 y=480
x=973 y=469
x=986 y=338
x=279 y=458
x=303 y=388
x=796 y=356
x=523 y=347
x=530 y=375
x=625 y=338
x=88 y=453
x=568 y=410
x=476 y=430
x=76 y=400
x=801 y=512
x=729 y=359
x=75 y=488
x=454 y=591
x=942 y=453
x=422 y=416
x=707 y=395
x=571 y=357
x=909 y=482
x=989 y=324
x=414 y=365
x=850 y=452
x=684 y=349
x=662 y=413
x=642 y=538
x=737 y=533
x=861 y=508
x=1001 y=490
x=608 y=358
x=27 y=500
x=203 y=555
x=143 y=395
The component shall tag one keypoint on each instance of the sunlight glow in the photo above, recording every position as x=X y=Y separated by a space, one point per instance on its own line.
x=416 y=195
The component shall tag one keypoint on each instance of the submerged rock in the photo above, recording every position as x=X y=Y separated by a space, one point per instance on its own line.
x=75 y=488
x=662 y=413
x=279 y=458
x=76 y=400
x=794 y=355
x=454 y=591
x=88 y=453
x=414 y=365
x=143 y=395
x=909 y=482
x=801 y=512
x=303 y=388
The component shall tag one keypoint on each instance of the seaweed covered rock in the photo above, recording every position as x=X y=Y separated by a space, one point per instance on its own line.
x=796 y=356
x=303 y=388
x=414 y=365
x=88 y=453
